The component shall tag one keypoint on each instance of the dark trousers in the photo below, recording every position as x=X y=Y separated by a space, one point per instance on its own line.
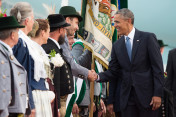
x=134 y=109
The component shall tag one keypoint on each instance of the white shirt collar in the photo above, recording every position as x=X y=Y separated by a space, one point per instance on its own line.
x=131 y=34
x=7 y=46
x=22 y=35
x=55 y=42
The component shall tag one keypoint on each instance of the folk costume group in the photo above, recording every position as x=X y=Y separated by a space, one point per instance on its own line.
x=45 y=73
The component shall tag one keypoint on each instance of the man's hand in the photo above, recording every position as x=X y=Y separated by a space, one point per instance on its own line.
x=103 y=107
x=92 y=75
x=156 y=102
x=75 y=109
x=110 y=108
x=94 y=107
x=32 y=113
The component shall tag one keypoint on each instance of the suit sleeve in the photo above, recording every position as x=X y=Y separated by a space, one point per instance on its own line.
x=169 y=69
x=22 y=55
x=77 y=70
x=84 y=58
x=113 y=69
x=156 y=64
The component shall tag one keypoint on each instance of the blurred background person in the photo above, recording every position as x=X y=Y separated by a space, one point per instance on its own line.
x=171 y=76
x=162 y=45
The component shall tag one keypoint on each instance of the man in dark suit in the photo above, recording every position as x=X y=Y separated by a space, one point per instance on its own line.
x=171 y=75
x=63 y=78
x=136 y=59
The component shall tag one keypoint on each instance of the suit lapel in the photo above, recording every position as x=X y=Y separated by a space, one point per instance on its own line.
x=136 y=42
x=14 y=60
x=56 y=48
x=52 y=43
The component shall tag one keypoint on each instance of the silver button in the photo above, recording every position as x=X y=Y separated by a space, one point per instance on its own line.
x=19 y=73
x=69 y=87
x=2 y=62
x=69 y=81
x=4 y=90
x=11 y=57
x=66 y=71
x=65 y=66
x=22 y=94
x=21 y=83
x=4 y=76
x=68 y=76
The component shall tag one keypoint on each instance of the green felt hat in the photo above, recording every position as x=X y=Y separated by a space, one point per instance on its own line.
x=161 y=43
x=69 y=11
x=9 y=23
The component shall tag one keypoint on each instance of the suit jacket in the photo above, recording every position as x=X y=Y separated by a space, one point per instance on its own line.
x=114 y=94
x=63 y=79
x=21 y=53
x=144 y=72
x=77 y=70
x=84 y=59
x=171 y=75
x=5 y=78
x=13 y=84
x=21 y=87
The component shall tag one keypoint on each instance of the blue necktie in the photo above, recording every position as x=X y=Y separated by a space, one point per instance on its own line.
x=128 y=46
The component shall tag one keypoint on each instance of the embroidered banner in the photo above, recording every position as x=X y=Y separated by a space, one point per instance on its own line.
x=98 y=29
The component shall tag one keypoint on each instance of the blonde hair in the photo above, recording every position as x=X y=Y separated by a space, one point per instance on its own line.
x=35 y=27
x=21 y=11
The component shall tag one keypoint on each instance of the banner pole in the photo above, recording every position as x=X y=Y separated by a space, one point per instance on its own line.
x=92 y=89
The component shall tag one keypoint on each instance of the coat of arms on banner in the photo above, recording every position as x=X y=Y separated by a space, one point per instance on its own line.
x=98 y=29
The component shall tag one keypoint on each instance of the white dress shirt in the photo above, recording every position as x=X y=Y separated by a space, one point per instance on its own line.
x=55 y=42
x=131 y=36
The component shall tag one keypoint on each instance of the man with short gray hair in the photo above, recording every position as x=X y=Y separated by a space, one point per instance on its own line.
x=13 y=77
x=137 y=61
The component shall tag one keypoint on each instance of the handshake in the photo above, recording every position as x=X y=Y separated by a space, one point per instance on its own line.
x=92 y=75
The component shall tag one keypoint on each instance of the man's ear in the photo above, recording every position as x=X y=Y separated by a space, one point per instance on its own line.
x=26 y=21
x=67 y=19
x=130 y=21
x=42 y=32
x=12 y=35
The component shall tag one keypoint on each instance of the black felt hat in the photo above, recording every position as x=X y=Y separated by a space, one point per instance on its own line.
x=57 y=21
x=161 y=43
x=69 y=11
x=9 y=22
